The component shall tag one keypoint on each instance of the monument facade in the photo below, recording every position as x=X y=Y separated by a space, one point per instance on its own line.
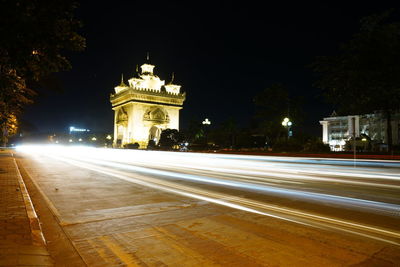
x=145 y=107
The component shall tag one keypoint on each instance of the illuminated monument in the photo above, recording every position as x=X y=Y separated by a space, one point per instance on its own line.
x=145 y=107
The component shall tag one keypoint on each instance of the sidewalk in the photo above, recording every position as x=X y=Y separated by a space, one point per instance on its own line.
x=21 y=239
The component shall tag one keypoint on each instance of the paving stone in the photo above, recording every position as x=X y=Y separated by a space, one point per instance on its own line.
x=16 y=244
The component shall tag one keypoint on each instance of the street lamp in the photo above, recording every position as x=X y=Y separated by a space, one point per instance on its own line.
x=287 y=124
x=206 y=122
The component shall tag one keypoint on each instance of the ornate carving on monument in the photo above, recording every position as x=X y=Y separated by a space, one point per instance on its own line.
x=122 y=117
x=157 y=115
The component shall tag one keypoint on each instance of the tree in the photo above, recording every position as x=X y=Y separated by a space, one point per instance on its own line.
x=272 y=106
x=170 y=138
x=35 y=34
x=364 y=77
x=226 y=134
x=195 y=131
x=13 y=96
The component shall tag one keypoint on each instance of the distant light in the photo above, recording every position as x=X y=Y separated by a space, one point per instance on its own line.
x=80 y=139
x=56 y=141
x=286 y=122
x=73 y=129
x=70 y=140
x=364 y=139
x=206 y=121
x=94 y=138
x=186 y=144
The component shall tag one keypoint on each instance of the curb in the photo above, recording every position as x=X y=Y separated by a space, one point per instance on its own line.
x=36 y=230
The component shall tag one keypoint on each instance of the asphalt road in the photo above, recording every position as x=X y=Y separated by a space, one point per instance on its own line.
x=148 y=208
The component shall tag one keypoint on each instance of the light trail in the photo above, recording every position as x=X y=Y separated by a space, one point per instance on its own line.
x=165 y=171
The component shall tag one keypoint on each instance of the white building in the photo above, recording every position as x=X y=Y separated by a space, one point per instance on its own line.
x=144 y=108
x=336 y=130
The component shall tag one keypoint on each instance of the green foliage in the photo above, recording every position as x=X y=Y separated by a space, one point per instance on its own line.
x=290 y=145
x=316 y=146
x=364 y=77
x=13 y=96
x=34 y=36
x=226 y=134
x=170 y=138
x=195 y=131
x=272 y=106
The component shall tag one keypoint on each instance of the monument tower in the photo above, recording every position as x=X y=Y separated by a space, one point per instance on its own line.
x=145 y=107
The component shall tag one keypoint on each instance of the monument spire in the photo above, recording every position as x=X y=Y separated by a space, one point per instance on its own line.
x=122 y=80
x=172 y=78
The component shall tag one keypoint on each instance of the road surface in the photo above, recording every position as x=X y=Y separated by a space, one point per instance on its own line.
x=114 y=207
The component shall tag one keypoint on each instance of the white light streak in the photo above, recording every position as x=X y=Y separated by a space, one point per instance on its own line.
x=290 y=178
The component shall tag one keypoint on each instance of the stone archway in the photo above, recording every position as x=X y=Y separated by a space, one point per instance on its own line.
x=120 y=134
x=122 y=122
x=154 y=133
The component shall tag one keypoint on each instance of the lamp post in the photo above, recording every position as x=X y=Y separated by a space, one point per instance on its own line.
x=108 y=140
x=287 y=124
x=206 y=123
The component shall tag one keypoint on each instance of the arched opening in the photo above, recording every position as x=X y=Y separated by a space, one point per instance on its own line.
x=154 y=134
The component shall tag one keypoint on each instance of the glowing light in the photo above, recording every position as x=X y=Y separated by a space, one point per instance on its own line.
x=206 y=122
x=94 y=138
x=273 y=176
x=286 y=122
x=73 y=129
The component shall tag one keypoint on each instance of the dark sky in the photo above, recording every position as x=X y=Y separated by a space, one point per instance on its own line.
x=222 y=54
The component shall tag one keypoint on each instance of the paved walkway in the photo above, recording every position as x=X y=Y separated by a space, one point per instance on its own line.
x=21 y=239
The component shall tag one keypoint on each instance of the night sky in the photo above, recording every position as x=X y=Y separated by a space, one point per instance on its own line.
x=222 y=54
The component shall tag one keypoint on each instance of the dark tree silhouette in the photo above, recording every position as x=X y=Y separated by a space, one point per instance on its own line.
x=34 y=38
x=170 y=138
x=272 y=106
x=364 y=77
